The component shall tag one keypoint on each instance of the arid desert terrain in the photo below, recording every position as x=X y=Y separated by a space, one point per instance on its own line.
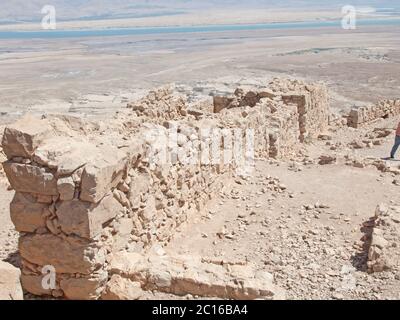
x=96 y=75
x=317 y=218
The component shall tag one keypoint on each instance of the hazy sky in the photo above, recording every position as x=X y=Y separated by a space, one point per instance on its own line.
x=29 y=10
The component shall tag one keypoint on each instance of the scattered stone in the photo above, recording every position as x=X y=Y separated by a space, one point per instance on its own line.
x=326 y=159
x=119 y=288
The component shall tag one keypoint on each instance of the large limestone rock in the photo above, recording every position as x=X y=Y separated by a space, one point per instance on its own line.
x=84 y=288
x=10 y=286
x=182 y=275
x=103 y=174
x=28 y=178
x=66 y=255
x=119 y=288
x=33 y=284
x=66 y=188
x=86 y=219
x=66 y=154
x=26 y=213
x=73 y=288
x=23 y=137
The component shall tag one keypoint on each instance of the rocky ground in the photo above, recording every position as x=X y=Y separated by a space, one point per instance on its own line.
x=307 y=221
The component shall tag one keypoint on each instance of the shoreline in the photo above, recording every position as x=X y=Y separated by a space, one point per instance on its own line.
x=129 y=31
x=201 y=18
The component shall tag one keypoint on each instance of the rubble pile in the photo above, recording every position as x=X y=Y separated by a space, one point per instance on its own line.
x=162 y=103
x=383 y=253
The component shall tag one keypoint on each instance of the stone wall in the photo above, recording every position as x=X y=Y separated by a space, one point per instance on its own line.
x=78 y=201
x=311 y=104
x=85 y=191
x=364 y=115
x=275 y=125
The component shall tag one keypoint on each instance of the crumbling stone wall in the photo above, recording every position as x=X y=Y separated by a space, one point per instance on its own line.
x=85 y=191
x=78 y=201
x=313 y=109
x=364 y=115
x=161 y=104
x=383 y=253
x=311 y=102
x=64 y=198
x=276 y=126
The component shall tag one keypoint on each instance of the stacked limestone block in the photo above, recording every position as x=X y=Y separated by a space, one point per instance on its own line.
x=181 y=184
x=83 y=194
x=284 y=113
x=364 y=115
x=312 y=101
x=276 y=128
x=63 y=201
x=283 y=139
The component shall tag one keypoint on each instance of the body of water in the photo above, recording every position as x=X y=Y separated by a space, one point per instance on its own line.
x=79 y=33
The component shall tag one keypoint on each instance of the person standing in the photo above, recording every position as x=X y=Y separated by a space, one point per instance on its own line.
x=396 y=143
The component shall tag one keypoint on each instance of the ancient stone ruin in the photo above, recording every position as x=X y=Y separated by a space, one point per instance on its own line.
x=364 y=115
x=93 y=198
x=305 y=105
